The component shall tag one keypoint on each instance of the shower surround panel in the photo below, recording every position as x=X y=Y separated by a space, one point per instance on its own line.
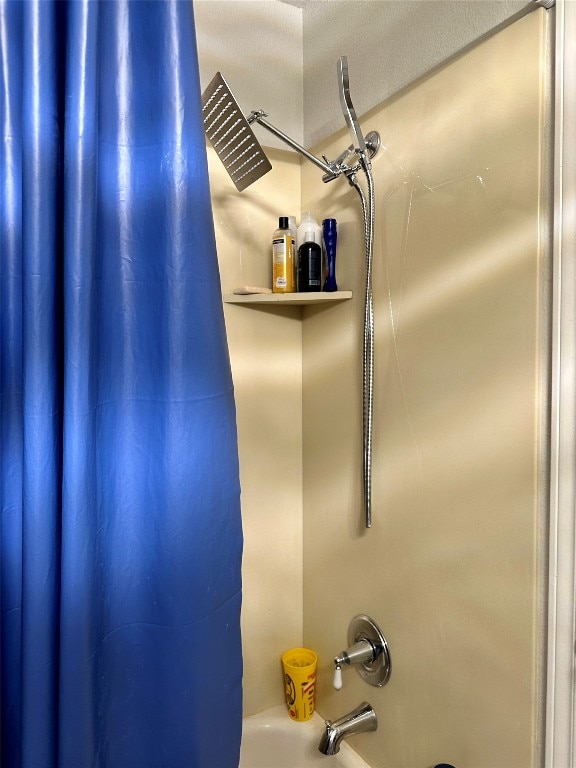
x=452 y=567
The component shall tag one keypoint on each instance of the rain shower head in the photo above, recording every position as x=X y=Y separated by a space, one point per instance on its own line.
x=231 y=136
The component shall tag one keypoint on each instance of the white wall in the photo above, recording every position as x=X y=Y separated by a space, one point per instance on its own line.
x=453 y=566
x=266 y=358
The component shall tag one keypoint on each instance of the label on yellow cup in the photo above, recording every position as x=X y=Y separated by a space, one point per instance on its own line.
x=299 y=665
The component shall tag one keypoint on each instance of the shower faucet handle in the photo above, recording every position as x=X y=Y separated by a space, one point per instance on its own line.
x=368 y=651
x=360 y=652
x=337 y=680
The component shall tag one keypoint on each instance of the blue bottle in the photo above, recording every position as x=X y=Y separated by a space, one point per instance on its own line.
x=330 y=237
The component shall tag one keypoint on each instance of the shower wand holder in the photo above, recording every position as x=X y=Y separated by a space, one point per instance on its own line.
x=330 y=234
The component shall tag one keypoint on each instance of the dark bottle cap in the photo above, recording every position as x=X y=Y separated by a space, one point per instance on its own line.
x=283 y=222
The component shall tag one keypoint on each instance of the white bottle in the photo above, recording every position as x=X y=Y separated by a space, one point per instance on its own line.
x=292 y=227
x=294 y=232
x=308 y=224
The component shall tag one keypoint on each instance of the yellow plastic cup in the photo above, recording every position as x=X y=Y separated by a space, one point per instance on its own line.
x=299 y=666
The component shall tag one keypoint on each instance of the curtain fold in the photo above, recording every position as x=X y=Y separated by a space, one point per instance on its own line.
x=121 y=535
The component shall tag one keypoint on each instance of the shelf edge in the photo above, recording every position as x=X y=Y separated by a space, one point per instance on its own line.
x=288 y=299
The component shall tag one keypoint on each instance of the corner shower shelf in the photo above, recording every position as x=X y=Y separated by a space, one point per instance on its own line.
x=292 y=299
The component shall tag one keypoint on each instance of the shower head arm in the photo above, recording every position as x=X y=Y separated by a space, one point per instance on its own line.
x=331 y=170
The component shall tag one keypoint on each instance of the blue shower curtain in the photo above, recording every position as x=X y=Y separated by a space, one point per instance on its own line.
x=120 y=533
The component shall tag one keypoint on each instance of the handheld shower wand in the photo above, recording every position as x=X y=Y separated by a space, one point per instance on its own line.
x=364 y=153
x=348 y=109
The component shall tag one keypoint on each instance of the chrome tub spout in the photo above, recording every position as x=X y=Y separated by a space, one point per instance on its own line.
x=360 y=720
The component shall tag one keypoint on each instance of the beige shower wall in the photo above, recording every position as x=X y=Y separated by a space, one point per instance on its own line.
x=452 y=567
x=266 y=358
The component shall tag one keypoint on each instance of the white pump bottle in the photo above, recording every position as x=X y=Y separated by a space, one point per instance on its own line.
x=308 y=224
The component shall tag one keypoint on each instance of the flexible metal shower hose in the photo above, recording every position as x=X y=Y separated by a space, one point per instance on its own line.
x=368 y=343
